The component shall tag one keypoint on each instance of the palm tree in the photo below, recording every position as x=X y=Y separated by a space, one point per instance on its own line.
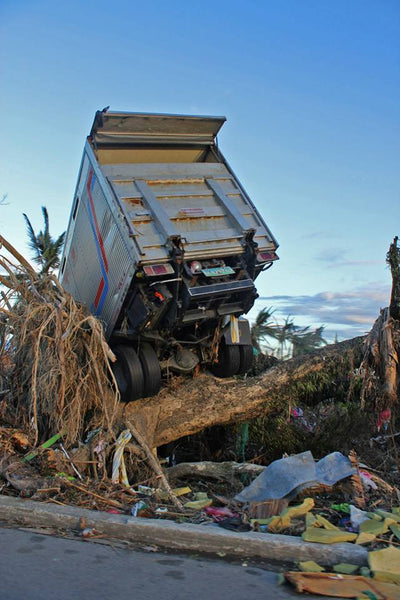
x=304 y=340
x=263 y=328
x=285 y=336
x=46 y=249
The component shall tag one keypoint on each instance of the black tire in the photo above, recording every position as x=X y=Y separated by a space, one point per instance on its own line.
x=128 y=372
x=151 y=370
x=246 y=358
x=228 y=360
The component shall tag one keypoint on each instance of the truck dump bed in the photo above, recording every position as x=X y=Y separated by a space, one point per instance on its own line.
x=169 y=192
x=149 y=185
x=200 y=204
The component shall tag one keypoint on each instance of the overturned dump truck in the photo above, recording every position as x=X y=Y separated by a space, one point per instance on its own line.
x=163 y=245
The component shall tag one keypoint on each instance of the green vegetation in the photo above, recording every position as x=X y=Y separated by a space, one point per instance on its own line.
x=46 y=249
x=284 y=340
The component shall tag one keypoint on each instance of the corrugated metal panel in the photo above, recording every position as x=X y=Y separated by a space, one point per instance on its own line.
x=201 y=203
x=100 y=263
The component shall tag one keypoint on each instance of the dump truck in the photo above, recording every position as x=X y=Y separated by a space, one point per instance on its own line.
x=163 y=246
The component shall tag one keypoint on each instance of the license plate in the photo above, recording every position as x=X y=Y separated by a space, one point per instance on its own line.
x=217 y=271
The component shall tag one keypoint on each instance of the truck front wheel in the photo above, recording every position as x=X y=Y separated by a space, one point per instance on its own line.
x=151 y=370
x=128 y=373
x=246 y=358
x=228 y=360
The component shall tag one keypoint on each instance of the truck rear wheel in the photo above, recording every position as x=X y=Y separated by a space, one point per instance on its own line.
x=128 y=373
x=228 y=360
x=151 y=370
x=246 y=358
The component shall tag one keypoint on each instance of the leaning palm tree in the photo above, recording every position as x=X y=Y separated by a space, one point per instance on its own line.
x=263 y=328
x=46 y=249
x=306 y=340
x=284 y=338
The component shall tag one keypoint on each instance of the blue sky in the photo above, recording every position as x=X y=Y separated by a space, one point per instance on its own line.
x=311 y=91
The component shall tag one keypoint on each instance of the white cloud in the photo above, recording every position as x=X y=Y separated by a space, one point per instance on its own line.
x=348 y=313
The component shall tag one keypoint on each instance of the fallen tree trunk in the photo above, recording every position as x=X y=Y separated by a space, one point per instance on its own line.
x=64 y=384
x=206 y=401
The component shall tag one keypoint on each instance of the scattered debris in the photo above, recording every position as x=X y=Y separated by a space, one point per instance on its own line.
x=342 y=586
x=334 y=499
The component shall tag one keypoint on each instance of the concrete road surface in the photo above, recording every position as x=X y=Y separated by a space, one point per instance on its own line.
x=44 y=567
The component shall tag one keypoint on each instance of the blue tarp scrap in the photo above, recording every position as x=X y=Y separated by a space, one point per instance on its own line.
x=286 y=477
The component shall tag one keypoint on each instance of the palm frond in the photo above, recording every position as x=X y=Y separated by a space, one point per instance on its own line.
x=32 y=239
x=47 y=251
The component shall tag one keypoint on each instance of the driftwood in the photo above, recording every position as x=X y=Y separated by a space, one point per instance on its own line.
x=225 y=471
x=22 y=476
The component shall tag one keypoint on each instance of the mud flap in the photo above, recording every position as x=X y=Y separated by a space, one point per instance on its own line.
x=237 y=331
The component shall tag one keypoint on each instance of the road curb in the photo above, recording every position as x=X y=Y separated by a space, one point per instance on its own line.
x=182 y=537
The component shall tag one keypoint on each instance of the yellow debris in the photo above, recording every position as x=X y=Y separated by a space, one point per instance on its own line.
x=326 y=524
x=388 y=515
x=327 y=536
x=181 y=491
x=395 y=529
x=261 y=521
x=365 y=538
x=198 y=504
x=299 y=510
x=345 y=568
x=283 y=521
x=385 y=564
x=310 y=566
x=373 y=527
x=311 y=520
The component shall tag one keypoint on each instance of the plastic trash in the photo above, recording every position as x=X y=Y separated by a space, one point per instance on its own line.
x=343 y=507
x=145 y=490
x=90 y=532
x=136 y=508
x=357 y=516
x=332 y=468
x=367 y=481
x=219 y=514
x=118 y=468
x=287 y=477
